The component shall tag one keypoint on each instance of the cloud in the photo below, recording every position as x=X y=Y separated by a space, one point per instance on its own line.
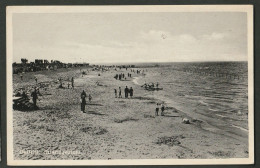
x=214 y=36
x=150 y=46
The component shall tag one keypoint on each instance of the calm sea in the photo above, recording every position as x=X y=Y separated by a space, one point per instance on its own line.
x=214 y=92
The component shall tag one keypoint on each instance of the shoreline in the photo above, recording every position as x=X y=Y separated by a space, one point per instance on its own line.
x=189 y=115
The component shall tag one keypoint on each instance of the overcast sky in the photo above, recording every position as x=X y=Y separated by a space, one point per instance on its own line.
x=130 y=37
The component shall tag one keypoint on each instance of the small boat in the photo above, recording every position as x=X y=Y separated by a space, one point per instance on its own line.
x=153 y=89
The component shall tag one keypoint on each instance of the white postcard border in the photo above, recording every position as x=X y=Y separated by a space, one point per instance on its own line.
x=155 y=8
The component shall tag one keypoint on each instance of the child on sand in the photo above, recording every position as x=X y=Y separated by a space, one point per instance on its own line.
x=89 y=98
x=115 y=93
x=162 y=108
x=157 y=109
x=119 y=93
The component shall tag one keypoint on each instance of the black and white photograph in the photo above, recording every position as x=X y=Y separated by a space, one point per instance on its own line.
x=130 y=85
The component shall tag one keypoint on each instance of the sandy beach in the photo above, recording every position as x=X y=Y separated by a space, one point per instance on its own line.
x=113 y=128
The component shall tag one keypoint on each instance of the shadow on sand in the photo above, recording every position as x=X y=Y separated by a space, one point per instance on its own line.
x=95 y=113
x=94 y=104
x=171 y=116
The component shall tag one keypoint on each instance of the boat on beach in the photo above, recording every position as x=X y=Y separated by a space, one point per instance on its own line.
x=151 y=87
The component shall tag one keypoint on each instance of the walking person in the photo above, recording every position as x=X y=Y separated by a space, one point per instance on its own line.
x=119 y=93
x=83 y=101
x=35 y=78
x=162 y=108
x=72 y=83
x=157 y=109
x=34 y=98
x=131 y=91
x=126 y=92
x=115 y=93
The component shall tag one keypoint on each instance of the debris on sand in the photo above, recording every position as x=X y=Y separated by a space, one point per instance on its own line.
x=125 y=119
x=148 y=116
x=94 y=130
x=196 y=120
x=170 y=141
x=221 y=154
x=186 y=121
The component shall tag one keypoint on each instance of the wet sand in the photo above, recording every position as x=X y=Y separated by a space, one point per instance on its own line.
x=112 y=128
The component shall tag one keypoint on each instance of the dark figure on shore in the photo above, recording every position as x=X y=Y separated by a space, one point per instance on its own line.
x=35 y=78
x=34 y=98
x=116 y=76
x=131 y=91
x=119 y=93
x=126 y=92
x=83 y=101
x=120 y=76
x=72 y=83
x=21 y=76
x=115 y=93
x=123 y=75
x=24 y=95
x=157 y=109
x=162 y=108
x=89 y=98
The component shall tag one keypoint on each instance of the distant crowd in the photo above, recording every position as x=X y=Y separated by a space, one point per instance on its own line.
x=128 y=92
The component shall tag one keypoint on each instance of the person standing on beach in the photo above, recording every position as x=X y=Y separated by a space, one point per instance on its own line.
x=34 y=98
x=126 y=92
x=72 y=83
x=157 y=109
x=115 y=93
x=83 y=101
x=35 y=78
x=89 y=98
x=21 y=76
x=119 y=93
x=131 y=91
x=162 y=108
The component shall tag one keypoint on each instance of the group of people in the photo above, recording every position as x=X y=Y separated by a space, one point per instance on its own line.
x=151 y=85
x=120 y=76
x=129 y=75
x=70 y=83
x=158 y=108
x=83 y=100
x=128 y=92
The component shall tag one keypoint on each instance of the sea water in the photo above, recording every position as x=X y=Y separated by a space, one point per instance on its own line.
x=215 y=92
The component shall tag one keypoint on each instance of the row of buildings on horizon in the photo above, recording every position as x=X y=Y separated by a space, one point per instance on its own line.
x=40 y=65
